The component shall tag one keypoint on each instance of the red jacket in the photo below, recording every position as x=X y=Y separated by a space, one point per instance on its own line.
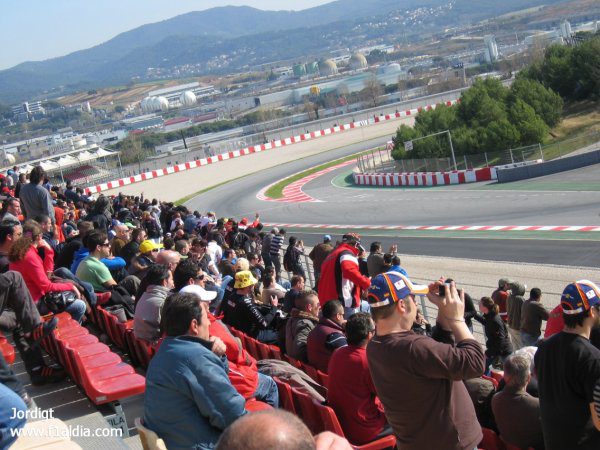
x=243 y=372
x=555 y=322
x=340 y=277
x=352 y=395
x=34 y=272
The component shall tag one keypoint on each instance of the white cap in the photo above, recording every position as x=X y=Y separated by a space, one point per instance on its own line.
x=201 y=293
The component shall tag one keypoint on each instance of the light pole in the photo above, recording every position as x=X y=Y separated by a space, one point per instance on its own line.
x=431 y=135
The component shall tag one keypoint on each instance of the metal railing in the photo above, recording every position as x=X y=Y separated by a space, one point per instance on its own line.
x=381 y=161
x=428 y=309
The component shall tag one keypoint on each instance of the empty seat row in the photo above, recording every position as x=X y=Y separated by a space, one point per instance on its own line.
x=102 y=374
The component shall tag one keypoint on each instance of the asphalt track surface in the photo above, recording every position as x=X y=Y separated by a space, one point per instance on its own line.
x=541 y=201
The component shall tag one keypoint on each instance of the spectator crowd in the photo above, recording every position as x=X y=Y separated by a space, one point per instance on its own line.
x=189 y=280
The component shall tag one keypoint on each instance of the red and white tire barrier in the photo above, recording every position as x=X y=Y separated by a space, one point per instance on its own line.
x=577 y=228
x=293 y=193
x=115 y=184
x=433 y=178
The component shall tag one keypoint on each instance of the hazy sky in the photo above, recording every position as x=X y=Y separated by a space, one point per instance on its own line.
x=32 y=30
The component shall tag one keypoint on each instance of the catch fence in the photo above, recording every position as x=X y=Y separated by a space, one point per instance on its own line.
x=381 y=160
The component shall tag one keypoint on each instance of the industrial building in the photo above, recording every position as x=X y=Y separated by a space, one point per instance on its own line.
x=176 y=96
x=491 y=49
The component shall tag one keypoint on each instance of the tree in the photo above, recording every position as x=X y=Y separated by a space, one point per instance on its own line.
x=119 y=109
x=403 y=134
x=586 y=62
x=372 y=90
x=545 y=102
x=478 y=108
x=5 y=111
x=530 y=126
x=439 y=119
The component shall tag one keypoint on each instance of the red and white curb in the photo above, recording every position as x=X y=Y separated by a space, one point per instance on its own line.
x=293 y=192
x=115 y=184
x=434 y=178
x=441 y=227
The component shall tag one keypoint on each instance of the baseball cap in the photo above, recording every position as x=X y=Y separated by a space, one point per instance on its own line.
x=147 y=246
x=579 y=296
x=391 y=287
x=327 y=238
x=351 y=238
x=244 y=279
x=200 y=292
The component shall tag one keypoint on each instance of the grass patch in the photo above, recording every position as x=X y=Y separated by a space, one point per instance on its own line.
x=276 y=191
x=581 y=117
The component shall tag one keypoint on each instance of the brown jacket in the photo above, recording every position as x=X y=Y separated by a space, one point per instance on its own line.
x=419 y=382
x=518 y=418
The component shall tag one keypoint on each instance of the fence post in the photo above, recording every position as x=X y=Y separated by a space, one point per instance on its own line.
x=466 y=164
x=403 y=169
x=511 y=156
x=487 y=164
x=541 y=151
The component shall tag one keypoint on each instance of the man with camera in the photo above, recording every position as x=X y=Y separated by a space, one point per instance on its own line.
x=419 y=379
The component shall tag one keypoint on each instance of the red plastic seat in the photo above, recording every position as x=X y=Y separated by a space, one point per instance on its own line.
x=263 y=350
x=294 y=362
x=310 y=371
x=323 y=378
x=274 y=352
x=331 y=423
x=491 y=441
x=286 y=400
x=144 y=351
x=303 y=403
x=122 y=329
x=319 y=418
x=251 y=346
x=103 y=375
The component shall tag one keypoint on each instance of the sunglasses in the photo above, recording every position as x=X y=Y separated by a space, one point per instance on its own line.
x=155 y=250
x=200 y=277
x=106 y=244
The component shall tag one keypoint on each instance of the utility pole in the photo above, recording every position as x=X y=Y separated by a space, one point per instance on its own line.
x=408 y=145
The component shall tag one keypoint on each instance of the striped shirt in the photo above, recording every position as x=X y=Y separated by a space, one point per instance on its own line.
x=276 y=243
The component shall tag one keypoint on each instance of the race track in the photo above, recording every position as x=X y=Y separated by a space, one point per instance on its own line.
x=536 y=202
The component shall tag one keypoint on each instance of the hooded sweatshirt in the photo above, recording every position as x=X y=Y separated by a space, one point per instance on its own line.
x=514 y=304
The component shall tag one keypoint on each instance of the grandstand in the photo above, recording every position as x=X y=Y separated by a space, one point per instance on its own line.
x=107 y=365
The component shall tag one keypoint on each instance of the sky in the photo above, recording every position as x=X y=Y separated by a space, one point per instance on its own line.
x=34 y=30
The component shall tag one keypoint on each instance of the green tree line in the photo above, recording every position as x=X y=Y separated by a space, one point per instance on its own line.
x=492 y=117
x=489 y=117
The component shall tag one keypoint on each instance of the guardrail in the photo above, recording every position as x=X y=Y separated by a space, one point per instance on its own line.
x=428 y=309
x=381 y=160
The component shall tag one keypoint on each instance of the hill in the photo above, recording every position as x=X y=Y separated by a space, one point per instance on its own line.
x=248 y=34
